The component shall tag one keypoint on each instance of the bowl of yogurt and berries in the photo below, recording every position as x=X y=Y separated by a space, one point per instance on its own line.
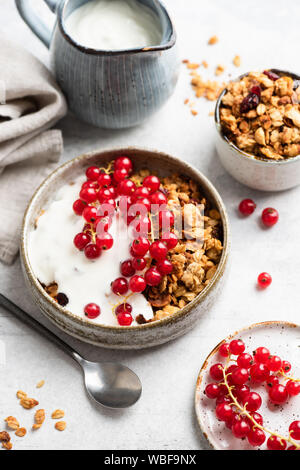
x=125 y=248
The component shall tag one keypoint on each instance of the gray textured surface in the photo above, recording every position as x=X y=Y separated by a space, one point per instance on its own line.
x=265 y=35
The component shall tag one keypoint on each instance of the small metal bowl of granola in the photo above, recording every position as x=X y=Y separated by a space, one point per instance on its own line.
x=116 y=288
x=258 y=129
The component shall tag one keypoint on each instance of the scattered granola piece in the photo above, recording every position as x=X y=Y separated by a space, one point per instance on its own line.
x=7 y=445
x=186 y=101
x=4 y=436
x=60 y=425
x=12 y=422
x=21 y=394
x=194 y=112
x=237 y=61
x=207 y=89
x=213 y=40
x=204 y=63
x=39 y=418
x=211 y=113
x=219 y=70
x=20 y=432
x=57 y=414
x=28 y=403
x=40 y=384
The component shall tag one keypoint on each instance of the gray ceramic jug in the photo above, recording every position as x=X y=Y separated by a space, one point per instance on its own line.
x=110 y=89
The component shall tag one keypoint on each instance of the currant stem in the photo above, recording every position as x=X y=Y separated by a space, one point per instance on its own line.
x=244 y=411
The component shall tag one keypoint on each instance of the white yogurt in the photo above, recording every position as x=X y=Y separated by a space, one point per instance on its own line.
x=114 y=25
x=53 y=257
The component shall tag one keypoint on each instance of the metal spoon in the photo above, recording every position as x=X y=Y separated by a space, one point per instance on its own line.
x=110 y=384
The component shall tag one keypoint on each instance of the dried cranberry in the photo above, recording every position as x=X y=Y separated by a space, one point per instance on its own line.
x=271 y=75
x=251 y=101
x=256 y=90
x=62 y=299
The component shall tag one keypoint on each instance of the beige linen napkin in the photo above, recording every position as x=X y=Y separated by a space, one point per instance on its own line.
x=30 y=103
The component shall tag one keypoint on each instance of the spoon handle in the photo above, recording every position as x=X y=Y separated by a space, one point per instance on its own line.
x=31 y=322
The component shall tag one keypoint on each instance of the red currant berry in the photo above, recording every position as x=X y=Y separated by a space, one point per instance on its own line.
x=241 y=392
x=152 y=183
x=153 y=277
x=234 y=419
x=90 y=214
x=274 y=363
x=104 y=180
x=137 y=284
x=139 y=264
x=230 y=371
x=293 y=388
x=286 y=366
x=125 y=307
x=256 y=437
x=88 y=195
x=212 y=391
x=141 y=192
x=119 y=286
x=124 y=163
x=81 y=240
x=143 y=227
x=104 y=194
x=223 y=399
x=291 y=448
x=264 y=280
x=124 y=319
x=170 y=239
x=224 y=350
x=92 y=311
x=257 y=418
x=126 y=188
x=294 y=430
x=90 y=184
x=236 y=347
x=92 y=251
x=158 y=250
x=93 y=173
x=240 y=429
x=275 y=443
x=278 y=394
x=127 y=269
x=166 y=219
x=158 y=198
x=103 y=224
x=140 y=247
x=252 y=401
x=247 y=207
x=259 y=373
x=272 y=380
x=269 y=217
x=224 y=412
x=120 y=175
x=261 y=355
x=79 y=206
x=216 y=372
x=105 y=242
x=239 y=376
x=112 y=191
x=165 y=267
x=245 y=360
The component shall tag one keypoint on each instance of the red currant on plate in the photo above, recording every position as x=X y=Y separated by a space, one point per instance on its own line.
x=119 y=286
x=252 y=401
x=236 y=347
x=158 y=198
x=140 y=247
x=127 y=269
x=126 y=188
x=125 y=307
x=139 y=264
x=245 y=360
x=166 y=219
x=293 y=388
x=124 y=318
x=165 y=267
x=247 y=207
x=79 y=206
x=278 y=394
x=239 y=376
x=256 y=437
x=141 y=193
x=216 y=372
x=93 y=173
x=92 y=311
x=158 y=250
x=90 y=214
x=120 y=175
x=286 y=366
x=81 y=240
x=92 y=251
x=274 y=363
x=275 y=443
x=212 y=390
x=124 y=163
x=224 y=350
x=105 y=241
x=264 y=280
x=261 y=354
x=104 y=180
x=88 y=195
x=224 y=412
x=137 y=284
x=269 y=217
x=240 y=429
x=170 y=239
x=259 y=373
x=153 y=277
x=295 y=430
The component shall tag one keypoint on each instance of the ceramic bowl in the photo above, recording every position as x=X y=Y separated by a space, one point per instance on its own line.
x=134 y=337
x=282 y=339
x=257 y=173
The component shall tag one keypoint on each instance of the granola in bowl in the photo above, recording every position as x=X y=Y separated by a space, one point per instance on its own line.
x=260 y=114
x=136 y=268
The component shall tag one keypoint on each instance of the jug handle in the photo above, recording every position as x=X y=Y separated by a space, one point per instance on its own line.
x=33 y=21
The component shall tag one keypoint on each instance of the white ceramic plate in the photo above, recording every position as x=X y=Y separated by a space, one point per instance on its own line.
x=282 y=339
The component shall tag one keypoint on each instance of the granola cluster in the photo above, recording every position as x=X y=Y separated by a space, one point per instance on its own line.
x=196 y=257
x=260 y=114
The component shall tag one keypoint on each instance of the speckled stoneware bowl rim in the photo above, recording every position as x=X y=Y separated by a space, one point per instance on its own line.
x=250 y=156
x=170 y=42
x=208 y=189
x=214 y=350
